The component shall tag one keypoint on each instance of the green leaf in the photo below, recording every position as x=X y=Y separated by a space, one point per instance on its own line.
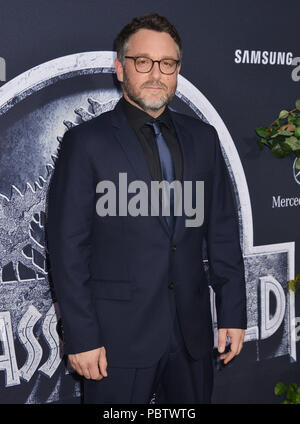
x=291 y=118
x=292 y=142
x=297 y=122
x=273 y=131
x=286 y=147
x=297 y=132
x=298 y=276
x=297 y=103
x=297 y=397
x=262 y=132
x=262 y=142
x=298 y=163
x=292 y=285
x=294 y=386
x=278 y=139
x=285 y=132
x=291 y=394
x=283 y=114
x=277 y=151
x=278 y=133
x=280 y=388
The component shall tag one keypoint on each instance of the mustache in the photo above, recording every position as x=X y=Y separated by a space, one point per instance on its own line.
x=154 y=84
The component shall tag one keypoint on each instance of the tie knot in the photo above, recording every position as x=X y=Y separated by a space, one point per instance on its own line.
x=155 y=125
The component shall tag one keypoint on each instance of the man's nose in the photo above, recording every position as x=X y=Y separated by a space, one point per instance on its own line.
x=155 y=71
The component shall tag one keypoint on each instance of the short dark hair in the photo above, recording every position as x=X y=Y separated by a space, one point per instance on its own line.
x=150 y=21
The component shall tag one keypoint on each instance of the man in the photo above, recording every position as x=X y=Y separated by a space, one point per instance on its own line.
x=132 y=291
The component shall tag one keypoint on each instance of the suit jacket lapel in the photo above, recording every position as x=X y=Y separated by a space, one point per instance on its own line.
x=135 y=155
x=134 y=152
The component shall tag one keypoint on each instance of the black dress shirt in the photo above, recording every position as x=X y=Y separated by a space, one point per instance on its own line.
x=137 y=119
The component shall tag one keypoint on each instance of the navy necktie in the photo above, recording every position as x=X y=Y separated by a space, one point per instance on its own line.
x=167 y=169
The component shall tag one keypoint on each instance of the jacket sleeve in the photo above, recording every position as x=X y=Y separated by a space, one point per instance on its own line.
x=69 y=219
x=225 y=257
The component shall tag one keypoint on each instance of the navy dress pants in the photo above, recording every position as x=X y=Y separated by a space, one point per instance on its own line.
x=175 y=378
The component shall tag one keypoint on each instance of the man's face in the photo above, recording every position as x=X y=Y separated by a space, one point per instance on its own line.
x=153 y=90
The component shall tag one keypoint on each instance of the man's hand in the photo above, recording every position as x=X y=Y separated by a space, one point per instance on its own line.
x=236 y=336
x=91 y=364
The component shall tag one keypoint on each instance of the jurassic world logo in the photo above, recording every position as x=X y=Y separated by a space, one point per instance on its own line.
x=29 y=332
x=2 y=69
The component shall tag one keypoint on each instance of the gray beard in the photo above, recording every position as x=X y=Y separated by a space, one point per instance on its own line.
x=144 y=104
x=147 y=105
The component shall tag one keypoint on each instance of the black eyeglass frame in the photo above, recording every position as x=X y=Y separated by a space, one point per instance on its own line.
x=153 y=61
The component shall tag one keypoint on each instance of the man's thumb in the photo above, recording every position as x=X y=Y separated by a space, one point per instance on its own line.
x=103 y=365
x=222 y=340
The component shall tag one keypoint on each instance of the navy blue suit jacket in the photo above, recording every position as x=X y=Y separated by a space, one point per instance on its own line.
x=111 y=274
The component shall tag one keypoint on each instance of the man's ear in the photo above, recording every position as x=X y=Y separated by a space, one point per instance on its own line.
x=119 y=70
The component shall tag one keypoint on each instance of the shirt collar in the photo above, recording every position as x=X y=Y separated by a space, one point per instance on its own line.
x=138 y=117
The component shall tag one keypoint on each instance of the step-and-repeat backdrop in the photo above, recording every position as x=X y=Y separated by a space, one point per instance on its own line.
x=241 y=67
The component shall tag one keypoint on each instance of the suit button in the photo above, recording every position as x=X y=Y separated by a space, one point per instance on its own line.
x=173 y=247
x=171 y=285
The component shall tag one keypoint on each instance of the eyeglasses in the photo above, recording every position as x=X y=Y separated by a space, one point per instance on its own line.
x=145 y=64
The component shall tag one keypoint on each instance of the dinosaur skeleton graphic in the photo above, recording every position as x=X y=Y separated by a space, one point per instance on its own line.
x=22 y=217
